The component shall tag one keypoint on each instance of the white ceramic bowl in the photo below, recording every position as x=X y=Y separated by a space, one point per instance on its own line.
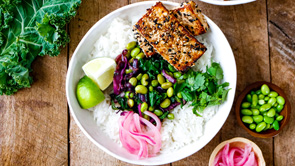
x=227 y=3
x=85 y=120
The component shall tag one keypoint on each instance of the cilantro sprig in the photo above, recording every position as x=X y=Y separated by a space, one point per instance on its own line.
x=203 y=89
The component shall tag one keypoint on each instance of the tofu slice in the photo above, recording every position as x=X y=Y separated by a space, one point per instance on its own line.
x=190 y=16
x=145 y=46
x=169 y=38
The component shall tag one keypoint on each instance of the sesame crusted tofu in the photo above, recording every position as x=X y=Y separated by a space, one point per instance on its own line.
x=145 y=46
x=190 y=16
x=169 y=38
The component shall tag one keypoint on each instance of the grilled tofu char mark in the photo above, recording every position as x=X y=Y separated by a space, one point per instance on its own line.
x=169 y=38
x=190 y=16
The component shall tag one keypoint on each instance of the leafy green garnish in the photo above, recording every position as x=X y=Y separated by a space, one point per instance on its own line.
x=29 y=28
x=153 y=66
x=203 y=89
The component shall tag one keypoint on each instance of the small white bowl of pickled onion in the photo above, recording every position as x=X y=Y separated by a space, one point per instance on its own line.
x=237 y=152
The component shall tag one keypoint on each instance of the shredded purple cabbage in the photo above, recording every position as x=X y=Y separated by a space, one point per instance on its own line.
x=139 y=112
x=160 y=89
x=121 y=62
x=169 y=78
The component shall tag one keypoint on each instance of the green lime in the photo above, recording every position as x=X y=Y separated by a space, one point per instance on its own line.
x=88 y=93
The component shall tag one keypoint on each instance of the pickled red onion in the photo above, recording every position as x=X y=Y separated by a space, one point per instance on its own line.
x=235 y=156
x=139 y=136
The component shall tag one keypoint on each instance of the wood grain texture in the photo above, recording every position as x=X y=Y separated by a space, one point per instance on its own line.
x=33 y=128
x=281 y=22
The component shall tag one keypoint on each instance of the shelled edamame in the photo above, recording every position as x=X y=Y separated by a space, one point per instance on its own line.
x=260 y=110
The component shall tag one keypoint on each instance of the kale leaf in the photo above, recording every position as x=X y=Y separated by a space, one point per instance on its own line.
x=29 y=28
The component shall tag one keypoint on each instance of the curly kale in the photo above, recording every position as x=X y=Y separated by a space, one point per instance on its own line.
x=29 y=28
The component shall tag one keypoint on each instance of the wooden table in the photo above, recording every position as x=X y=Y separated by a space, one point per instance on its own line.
x=37 y=129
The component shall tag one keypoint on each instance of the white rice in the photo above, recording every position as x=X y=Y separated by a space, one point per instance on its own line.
x=185 y=129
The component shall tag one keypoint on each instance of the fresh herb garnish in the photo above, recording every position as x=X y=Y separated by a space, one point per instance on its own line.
x=203 y=89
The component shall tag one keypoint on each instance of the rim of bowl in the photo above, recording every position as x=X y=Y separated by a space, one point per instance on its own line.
x=140 y=162
x=228 y=3
x=286 y=111
x=255 y=147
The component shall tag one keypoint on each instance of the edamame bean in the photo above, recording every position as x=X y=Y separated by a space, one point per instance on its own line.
x=131 y=45
x=177 y=74
x=280 y=108
x=280 y=100
x=154 y=83
x=249 y=98
x=280 y=117
x=131 y=95
x=246 y=112
x=258 y=92
x=144 y=106
x=166 y=85
x=255 y=111
x=127 y=94
x=258 y=118
x=261 y=96
x=139 y=76
x=261 y=102
x=133 y=81
x=254 y=100
x=267 y=126
x=246 y=105
x=130 y=103
x=265 y=89
x=140 y=56
x=158 y=112
x=264 y=113
x=252 y=126
x=179 y=95
x=170 y=92
x=144 y=79
x=141 y=89
x=260 y=127
x=276 y=125
x=177 y=99
x=271 y=112
x=252 y=92
x=134 y=52
x=276 y=105
x=171 y=68
x=127 y=71
x=151 y=108
x=170 y=116
x=160 y=79
x=151 y=88
x=264 y=107
x=272 y=101
x=165 y=103
x=146 y=117
x=273 y=94
x=247 y=119
x=266 y=98
x=267 y=119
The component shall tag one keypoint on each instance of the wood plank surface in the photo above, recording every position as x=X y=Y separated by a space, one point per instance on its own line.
x=281 y=22
x=34 y=121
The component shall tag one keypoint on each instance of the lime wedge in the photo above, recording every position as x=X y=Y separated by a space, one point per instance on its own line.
x=88 y=93
x=101 y=71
